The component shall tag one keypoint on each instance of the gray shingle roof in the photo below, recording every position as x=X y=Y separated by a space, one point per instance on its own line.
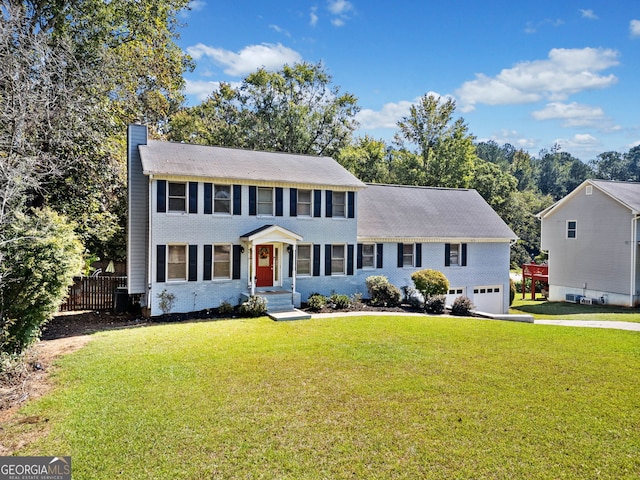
x=403 y=212
x=180 y=159
x=627 y=193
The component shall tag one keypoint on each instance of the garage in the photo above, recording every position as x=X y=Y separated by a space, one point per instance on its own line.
x=488 y=299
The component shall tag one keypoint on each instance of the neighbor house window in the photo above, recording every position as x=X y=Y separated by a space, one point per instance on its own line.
x=177 y=197
x=265 y=201
x=222 y=199
x=339 y=204
x=337 y=259
x=222 y=261
x=368 y=255
x=303 y=263
x=304 y=203
x=177 y=262
x=572 y=229
x=407 y=255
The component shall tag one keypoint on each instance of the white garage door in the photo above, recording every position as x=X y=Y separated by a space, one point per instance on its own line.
x=488 y=299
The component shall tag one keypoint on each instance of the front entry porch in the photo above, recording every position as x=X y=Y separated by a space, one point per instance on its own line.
x=280 y=304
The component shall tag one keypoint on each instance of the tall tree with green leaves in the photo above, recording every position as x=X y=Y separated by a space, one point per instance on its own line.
x=367 y=159
x=444 y=144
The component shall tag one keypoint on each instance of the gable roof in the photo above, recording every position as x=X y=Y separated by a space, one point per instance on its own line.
x=396 y=212
x=233 y=164
x=625 y=193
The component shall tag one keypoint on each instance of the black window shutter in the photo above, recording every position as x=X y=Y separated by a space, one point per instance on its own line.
x=350 y=259
x=237 y=199
x=351 y=204
x=327 y=259
x=193 y=263
x=359 y=256
x=237 y=258
x=317 y=203
x=293 y=202
x=161 y=263
x=290 y=249
x=447 y=254
x=418 y=255
x=279 y=202
x=208 y=198
x=252 y=200
x=329 y=207
x=208 y=260
x=161 y=190
x=316 y=260
x=193 y=197
x=464 y=255
x=400 y=255
x=379 y=248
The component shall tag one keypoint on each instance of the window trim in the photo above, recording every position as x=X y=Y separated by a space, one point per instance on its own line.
x=230 y=199
x=569 y=230
x=310 y=203
x=213 y=261
x=185 y=197
x=373 y=256
x=413 y=255
x=310 y=259
x=343 y=258
x=334 y=204
x=186 y=263
x=458 y=248
x=258 y=203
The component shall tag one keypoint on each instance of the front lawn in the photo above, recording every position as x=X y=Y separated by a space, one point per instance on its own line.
x=541 y=309
x=351 y=397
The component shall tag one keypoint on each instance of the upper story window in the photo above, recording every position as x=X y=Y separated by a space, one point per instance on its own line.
x=303 y=262
x=304 y=203
x=454 y=254
x=265 y=201
x=368 y=255
x=572 y=229
x=407 y=255
x=340 y=204
x=177 y=197
x=177 y=262
x=222 y=199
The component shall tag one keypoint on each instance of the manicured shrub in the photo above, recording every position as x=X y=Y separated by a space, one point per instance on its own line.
x=316 y=302
x=462 y=306
x=254 y=307
x=430 y=282
x=512 y=291
x=166 y=301
x=381 y=292
x=225 y=308
x=340 y=302
x=435 y=304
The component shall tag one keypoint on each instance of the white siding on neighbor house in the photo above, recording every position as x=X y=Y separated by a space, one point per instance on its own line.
x=138 y=209
x=598 y=260
x=487 y=265
x=200 y=229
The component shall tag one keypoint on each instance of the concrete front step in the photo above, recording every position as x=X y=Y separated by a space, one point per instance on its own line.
x=295 y=314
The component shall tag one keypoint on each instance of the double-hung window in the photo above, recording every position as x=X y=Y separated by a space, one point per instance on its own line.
x=340 y=204
x=177 y=197
x=454 y=254
x=303 y=263
x=407 y=255
x=222 y=199
x=222 y=261
x=265 y=201
x=368 y=255
x=304 y=203
x=177 y=262
x=572 y=229
x=338 y=259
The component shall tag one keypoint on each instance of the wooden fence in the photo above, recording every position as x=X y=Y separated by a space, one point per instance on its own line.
x=92 y=293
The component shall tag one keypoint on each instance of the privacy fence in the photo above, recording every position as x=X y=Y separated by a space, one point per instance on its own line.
x=93 y=293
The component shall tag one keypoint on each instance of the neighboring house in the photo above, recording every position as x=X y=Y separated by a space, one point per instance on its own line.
x=212 y=224
x=592 y=239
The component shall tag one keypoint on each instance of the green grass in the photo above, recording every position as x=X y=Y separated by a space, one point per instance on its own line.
x=570 y=311
x=351 y=397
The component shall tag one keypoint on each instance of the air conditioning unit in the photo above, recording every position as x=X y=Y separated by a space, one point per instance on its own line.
x=573 y=297
x=586 y=301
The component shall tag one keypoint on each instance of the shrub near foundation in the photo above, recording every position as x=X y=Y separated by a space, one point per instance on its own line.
x=430 y=282
x=382 y=292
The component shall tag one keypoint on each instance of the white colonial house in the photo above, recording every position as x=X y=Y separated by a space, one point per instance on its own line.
x=592 y=239
x=212 y=225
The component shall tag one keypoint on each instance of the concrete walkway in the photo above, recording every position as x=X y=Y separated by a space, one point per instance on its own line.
x=631 y=326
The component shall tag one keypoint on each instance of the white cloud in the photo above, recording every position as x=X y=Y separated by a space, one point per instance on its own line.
x=565 y=72
x=588 y=14
x=313 y=16
x=340 y=7
x=202 y=89
x=279 y=29
x=193 y=6
x=532 y=27
x=390 y=114
x=249 y=59
x=574 y=114
x=634 y=28
x=578 y=141
x=512 y=137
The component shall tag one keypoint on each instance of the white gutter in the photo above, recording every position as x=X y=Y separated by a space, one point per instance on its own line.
x=634 y=249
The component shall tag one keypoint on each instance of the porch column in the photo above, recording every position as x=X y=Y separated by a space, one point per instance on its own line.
x=252 y=273
x=294 y=253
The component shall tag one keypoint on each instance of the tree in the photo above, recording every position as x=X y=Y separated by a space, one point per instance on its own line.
x=610 y=166
x=500 y=155
x=523 y=169
x=444 y=145
x=293 y=110
x=632 y=159
x=367 y=159
x=494 y=185
x=430 y=282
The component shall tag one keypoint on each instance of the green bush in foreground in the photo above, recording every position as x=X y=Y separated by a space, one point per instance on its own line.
x=316 y=302
x=462 y=306
x=254 y=307
x=435 y=304
x=430 y=282
x=382 y=292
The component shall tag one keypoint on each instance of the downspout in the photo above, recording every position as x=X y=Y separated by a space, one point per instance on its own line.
x=633 y=267
x=150 y=248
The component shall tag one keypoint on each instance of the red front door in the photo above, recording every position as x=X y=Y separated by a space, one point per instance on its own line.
x=264 y=266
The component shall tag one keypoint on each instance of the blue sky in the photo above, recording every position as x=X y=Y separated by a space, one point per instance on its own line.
x=527 y=73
